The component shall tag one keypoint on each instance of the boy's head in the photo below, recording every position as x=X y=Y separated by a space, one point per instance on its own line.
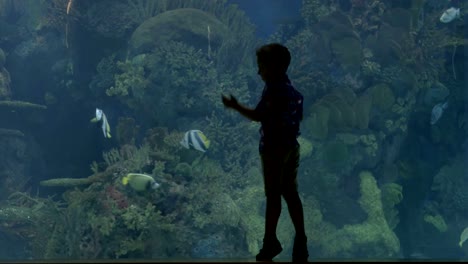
x=273 y=61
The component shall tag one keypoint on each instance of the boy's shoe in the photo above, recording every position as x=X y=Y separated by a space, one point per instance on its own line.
x=270 y=250
x=300 y=252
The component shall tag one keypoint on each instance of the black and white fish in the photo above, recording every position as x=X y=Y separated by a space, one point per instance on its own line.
x=195 y=139
x=105 y=125
x=437 y=112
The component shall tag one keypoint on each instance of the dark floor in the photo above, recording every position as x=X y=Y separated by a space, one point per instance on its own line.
x=247 y=260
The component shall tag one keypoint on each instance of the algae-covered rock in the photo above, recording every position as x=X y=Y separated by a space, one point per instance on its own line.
x=362 y=107
x=347 y=116
x=21 y=105
x=2 y=58
x=382 y=96
x=186 y=25
x=66 y=182
x=317 y=122
x=399 y=18
x=348 y=52
x=10 y=133
x=5 y=80
x=335 y=154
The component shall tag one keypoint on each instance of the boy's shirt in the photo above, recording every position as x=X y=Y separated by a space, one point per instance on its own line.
x=280 y=110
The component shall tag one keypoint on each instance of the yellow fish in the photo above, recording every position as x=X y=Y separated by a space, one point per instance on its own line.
x=140 y=182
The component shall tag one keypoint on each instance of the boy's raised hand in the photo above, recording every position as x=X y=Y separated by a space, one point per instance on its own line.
x=230 y=102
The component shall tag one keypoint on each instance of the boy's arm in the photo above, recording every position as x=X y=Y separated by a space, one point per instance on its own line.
x=247 y=112
x=231 y=102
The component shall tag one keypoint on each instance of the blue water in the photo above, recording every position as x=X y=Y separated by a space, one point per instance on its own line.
x=377 y=180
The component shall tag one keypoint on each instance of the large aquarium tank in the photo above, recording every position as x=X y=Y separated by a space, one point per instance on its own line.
x=101 y=100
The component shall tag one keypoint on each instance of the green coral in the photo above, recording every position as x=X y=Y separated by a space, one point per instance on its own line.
x=374 y=234
x=391 y=196
x=370 y=143
x=437 y=221
x=252 y=223
x=224 y=211
x=127 y=245
x=130 y=80
x=306 y=147
x=313 y=11
x=136 y=218
x=347 y=138
x=103 y=224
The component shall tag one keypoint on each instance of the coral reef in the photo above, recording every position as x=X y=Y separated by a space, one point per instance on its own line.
x=374 y=233
x=191 y=27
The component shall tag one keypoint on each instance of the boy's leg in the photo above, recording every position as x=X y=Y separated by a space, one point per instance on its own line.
x=296 y=212
x=291 y=195
x=271 y=177
x=272 y=214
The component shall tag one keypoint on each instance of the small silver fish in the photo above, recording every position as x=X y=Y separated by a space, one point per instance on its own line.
x=437 y=112
x=450 y=14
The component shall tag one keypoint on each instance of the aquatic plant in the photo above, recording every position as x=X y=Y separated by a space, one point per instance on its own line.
x=391 y=196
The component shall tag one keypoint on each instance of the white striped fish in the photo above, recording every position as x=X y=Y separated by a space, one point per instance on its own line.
x=195 y=139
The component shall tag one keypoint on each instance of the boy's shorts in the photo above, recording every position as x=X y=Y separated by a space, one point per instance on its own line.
x=280 y=169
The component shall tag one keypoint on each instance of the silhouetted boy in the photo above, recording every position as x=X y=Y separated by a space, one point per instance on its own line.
x=280 y=113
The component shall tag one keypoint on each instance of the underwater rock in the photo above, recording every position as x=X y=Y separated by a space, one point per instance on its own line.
x=211 y=247
x=20 y=115
x=399 y=18
x=362 y=107
x=316 y=124
x=66 y=182
x=382 y=96
x=348 y=52
x=386 y=44
x=2 y=58
x=5 y=80
x=187 y=25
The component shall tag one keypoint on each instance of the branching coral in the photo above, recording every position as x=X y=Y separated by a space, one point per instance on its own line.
x=450 y=184
x=131 y=81
x=391 y=196
x=374 y=234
